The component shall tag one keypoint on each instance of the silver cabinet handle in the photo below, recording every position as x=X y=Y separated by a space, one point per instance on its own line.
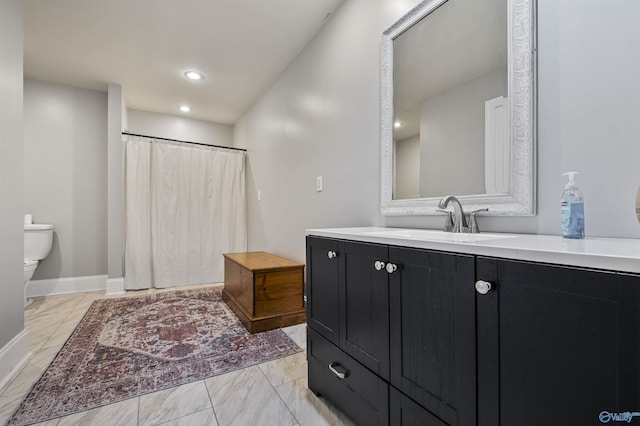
x=339 y=374
x=332 y=254
x=379 y=265
x=483 y=287
x=391 y=268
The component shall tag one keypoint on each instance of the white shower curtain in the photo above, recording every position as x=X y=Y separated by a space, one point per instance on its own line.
x=185 y=206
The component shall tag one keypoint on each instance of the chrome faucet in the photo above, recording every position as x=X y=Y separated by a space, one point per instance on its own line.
x=459 y=219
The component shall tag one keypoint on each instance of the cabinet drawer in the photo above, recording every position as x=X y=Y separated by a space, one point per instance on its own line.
x=362 y=395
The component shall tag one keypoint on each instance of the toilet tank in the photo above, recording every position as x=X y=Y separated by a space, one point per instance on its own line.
x=38 y=239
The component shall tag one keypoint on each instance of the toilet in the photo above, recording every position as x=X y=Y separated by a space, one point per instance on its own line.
x=38 y=239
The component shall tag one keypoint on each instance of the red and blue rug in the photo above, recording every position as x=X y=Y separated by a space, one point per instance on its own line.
x=130 y=346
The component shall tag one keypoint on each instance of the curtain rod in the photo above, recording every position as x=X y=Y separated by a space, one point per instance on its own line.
x=177 y=140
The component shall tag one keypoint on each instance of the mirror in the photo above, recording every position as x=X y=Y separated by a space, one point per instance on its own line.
x=457 y=107
x=638 y=204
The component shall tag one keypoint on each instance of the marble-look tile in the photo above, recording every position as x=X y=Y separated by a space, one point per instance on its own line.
x=75 y=316
x=53 y=422
x=201 y=418
x=94 y=295
x=91 y=293
x=63 y=303
x=297 y=333
x=36 y=345
x=84 y=307
x=9 y=404
x=36 y=302
x=173 y=403
x=60 y=336
x=287 y=369
x=87 y=301
x=31 y=372
x=308 y=409
x=41 y=326
x=43 y=358
x=245 y=397
x=123 y=413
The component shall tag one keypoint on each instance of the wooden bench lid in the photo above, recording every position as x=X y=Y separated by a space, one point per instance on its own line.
x=261 y=261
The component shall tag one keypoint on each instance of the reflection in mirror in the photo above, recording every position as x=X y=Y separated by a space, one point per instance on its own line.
x=450 y=87
x=457 y=107
x=638 y=204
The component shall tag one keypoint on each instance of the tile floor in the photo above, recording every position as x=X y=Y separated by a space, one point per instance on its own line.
x=273 y=393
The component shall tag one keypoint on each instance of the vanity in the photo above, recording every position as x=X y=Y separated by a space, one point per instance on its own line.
x=422 y=327
x=425 y=327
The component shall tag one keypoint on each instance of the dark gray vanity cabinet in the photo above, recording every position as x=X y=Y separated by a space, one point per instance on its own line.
x=364 y=314
x=556 y=345
x=322 y=291
x=433 y=337
x=423 y=337
x=348 y=299
x=406 y=317
x=406 y=412
x=350 y=386
x=348 y=334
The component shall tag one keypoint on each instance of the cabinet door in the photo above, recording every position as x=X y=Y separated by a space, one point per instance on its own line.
x=365 y=306
x=323 y=288
x=556 y=345
x=405 y=412
x=433 y=358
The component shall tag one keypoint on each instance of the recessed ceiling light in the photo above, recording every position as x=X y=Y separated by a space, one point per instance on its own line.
x=184 y=108
x=193 y=75
x=397 y=124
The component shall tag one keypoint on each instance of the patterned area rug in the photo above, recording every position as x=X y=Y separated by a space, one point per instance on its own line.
x=131 y=346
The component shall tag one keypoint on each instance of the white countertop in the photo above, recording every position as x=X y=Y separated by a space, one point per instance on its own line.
x=615 y=254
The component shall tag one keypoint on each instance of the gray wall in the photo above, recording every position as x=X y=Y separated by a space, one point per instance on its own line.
x=65 y=175
x=182 y=128
x=406 y=168
x=321 y=117
x=588 y=112
x=11 y=200
x=116 y=119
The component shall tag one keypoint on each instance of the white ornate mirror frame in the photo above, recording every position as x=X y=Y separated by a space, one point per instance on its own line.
x=521 y=200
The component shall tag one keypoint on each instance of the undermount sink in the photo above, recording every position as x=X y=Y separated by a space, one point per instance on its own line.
x=434 y=235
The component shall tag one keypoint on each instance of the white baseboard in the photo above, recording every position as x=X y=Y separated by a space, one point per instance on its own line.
x=115 y=286
x=66 y=285
x=13 y=356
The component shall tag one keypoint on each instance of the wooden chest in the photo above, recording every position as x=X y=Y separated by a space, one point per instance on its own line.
x=265 y=291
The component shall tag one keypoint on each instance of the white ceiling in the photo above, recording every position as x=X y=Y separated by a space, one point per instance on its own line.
x=146 y=45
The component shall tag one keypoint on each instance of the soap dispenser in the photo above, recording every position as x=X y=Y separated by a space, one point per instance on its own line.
x=572 y=209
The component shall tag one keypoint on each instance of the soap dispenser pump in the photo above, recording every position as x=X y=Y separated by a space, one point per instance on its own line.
x=572 y=209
